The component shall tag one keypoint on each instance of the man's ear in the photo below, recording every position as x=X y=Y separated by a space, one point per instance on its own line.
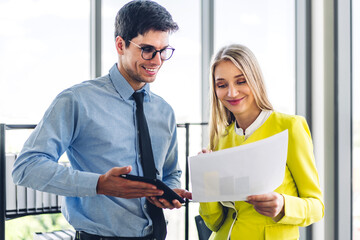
x=120 y=45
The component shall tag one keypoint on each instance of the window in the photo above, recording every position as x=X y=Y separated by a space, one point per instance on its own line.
x=268 y=29
x=44 y=49
x=356 y=117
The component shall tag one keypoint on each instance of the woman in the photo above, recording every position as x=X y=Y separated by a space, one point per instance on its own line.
x=241 y=113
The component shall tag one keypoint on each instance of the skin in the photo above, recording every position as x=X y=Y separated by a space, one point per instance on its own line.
x=138 y=72
x=132 y=66
x=235 y=94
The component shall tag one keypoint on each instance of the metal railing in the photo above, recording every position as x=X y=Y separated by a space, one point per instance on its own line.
x=187 y=147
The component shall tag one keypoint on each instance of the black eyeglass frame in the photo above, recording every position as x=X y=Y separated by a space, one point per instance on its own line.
x=154 y=51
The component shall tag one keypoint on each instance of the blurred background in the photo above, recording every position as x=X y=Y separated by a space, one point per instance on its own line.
x=308 y=51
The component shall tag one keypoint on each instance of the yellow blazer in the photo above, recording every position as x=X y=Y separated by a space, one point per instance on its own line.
x=300 y=188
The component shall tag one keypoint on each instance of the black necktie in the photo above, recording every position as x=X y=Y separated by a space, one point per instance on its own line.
x=148 y=165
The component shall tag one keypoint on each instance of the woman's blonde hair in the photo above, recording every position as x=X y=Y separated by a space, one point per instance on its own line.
x=246 y=62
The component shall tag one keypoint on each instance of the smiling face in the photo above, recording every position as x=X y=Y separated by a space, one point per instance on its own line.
x=232 y=90
x=132 y=66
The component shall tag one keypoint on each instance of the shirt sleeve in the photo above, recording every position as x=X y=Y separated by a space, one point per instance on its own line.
x=308 y=207
x=37 y=165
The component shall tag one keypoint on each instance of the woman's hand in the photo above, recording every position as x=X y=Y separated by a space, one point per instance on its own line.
x=269 y=204
x=204 y=150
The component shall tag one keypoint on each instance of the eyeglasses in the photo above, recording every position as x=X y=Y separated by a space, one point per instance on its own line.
x=149 y=52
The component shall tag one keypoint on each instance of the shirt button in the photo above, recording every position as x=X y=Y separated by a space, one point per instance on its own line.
x=234 y=216
x=139 y=155
x=145 y=206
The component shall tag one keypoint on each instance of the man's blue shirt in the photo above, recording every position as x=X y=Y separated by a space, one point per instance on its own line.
x=95 y=124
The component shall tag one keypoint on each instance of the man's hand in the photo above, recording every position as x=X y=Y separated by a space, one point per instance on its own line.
x=270 y=204
x=163 y=203
x=112 y=184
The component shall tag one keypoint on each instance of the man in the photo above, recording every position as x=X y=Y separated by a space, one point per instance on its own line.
x=96 y=123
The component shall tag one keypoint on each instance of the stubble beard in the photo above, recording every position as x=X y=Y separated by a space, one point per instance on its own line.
x=136 y=77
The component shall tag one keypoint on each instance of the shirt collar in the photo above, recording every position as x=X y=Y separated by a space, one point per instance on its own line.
x=124 y=88
x=263 y=116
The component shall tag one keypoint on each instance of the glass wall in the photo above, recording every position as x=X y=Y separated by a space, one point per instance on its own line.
x=268 y=29
x=44 y=49
x=356 y=117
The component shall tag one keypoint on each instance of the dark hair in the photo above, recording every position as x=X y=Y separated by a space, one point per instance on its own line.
x=140 y=16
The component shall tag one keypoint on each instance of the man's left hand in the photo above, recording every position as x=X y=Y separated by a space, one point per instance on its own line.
x=163 y=203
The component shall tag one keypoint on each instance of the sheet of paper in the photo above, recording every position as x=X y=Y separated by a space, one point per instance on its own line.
x=235 y=173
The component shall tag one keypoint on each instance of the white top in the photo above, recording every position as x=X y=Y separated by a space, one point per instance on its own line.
x=263 y=116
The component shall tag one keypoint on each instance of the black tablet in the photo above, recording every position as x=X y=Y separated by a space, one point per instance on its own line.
x=169 y=194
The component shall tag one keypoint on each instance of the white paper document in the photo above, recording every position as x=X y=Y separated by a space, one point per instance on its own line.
x=235 y=173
